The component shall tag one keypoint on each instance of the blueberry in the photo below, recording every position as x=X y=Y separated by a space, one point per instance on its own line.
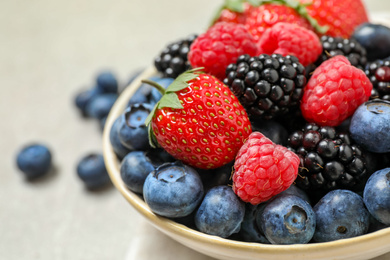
x=34 y=160
x=100 y=106
x=92 y=171
x=376 y=195
x=294 y=190
x=133 y=132
x=370 y=126
x=220 y=213
x=106 y=82
x=155 y=95
x=375 y=38
x=216 y=177
x=340 y=214
x=272 y=130
x=173 y=190
x=119 y=149
x=143 y=93
x=83 y=98
x=135 y=167
x=375 y=225
x=250 y=230
x=288 y=219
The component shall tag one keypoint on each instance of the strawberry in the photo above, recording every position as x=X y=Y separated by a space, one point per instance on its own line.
x=259 y=15
x=198 y=121
x=341 y=17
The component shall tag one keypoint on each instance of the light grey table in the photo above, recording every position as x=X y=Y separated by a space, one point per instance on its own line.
x=49 y=50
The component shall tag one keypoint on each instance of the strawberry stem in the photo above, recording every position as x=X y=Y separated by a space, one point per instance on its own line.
x=155 y=85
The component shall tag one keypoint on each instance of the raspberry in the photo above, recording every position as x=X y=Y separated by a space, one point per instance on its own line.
x=263 y=169
x=291 y=39
x=219 y=46
x=334 y=92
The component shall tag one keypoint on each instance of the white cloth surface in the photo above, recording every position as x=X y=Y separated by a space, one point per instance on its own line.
x=49 y=51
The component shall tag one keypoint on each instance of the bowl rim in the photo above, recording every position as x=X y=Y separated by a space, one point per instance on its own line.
x=113 y=167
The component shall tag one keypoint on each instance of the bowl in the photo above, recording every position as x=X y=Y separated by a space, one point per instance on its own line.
x=362 y=247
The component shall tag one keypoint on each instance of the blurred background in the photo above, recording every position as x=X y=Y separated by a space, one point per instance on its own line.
x=49 y=51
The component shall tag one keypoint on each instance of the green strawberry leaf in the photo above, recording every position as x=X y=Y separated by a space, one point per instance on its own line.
x=170 y=100
x=235 y=5
x=152 y=138
x=181 y=82
x=150 y=116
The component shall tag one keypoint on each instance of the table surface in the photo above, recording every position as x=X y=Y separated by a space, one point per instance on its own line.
x=50 y=50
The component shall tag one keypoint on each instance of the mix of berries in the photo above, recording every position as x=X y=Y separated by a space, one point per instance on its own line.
x=260 y=129
x=256 y=142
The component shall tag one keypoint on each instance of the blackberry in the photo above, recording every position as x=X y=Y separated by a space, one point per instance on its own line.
x=173 y=61
x=267 y=86
x=350 y=48
x=329 y=160
x=379 y=74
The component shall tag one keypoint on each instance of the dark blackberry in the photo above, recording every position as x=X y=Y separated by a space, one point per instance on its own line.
x=329 y=160
x=173 y=59
x=350 y=48
x=267 y=86
x=379 y=74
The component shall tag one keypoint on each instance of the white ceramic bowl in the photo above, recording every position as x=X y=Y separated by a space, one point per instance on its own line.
x=362 y=247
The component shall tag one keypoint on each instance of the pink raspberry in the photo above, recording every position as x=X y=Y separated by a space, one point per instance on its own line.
x=263 y=169
x=219 y=46
x=334 y=92
x=291 y=39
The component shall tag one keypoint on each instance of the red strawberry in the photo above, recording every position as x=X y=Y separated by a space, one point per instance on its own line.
x=263 y=169
x=340 y=16
x=199 y=121
x=334 y=92
x=267 y=15
x=257 y=16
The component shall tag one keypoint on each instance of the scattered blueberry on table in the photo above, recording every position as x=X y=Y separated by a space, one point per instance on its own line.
x=34 y=160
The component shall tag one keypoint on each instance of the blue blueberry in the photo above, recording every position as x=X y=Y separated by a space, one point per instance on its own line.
x=216 y=177
x=220 y=213
x=294 y=190
x=133 y=132
x=107 y=82
x=173 y=190
x=100 y=106
x=340 y=214
x=375 y=38
x=155 y=95
x=92 y=171
x=370 y=126
x=135 y=167
x=272 y=130
x=250 y=230
x=83 y=98
x=143 y=93
x=288 y=219
x=376 y=195
x=119 y=149
x=34 y=160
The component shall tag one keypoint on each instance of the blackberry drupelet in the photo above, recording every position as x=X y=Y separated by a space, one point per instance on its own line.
x=350 y=48
x=328 y=160
x=173 y=61
x=379 y=74
x=267 y=86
